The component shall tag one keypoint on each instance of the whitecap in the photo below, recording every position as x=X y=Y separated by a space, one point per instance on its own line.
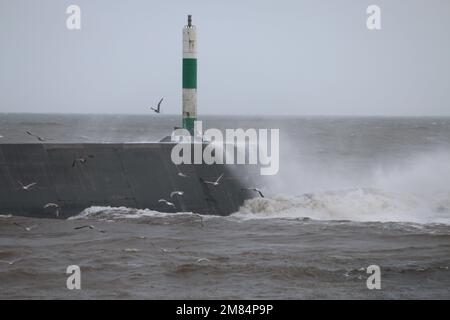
x=359 y=204
x=116 y=213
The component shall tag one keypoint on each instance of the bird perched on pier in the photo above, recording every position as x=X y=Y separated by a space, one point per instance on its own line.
x=54 y=206
x=256 y=190
x=214 y=183
x=170 y=204
x=81 y=160
x=158 y=107
x=28 y=186
x=36 y=136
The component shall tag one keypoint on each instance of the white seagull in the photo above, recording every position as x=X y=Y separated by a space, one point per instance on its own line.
x=181 y=174
x=256 y=190
x=158 y=108
x=214 y=183
x=53 y=205
x=25 y=227
x=10 y=262
x=36 y=136
x=170 y=204
x=178 y=193
x=28 y=186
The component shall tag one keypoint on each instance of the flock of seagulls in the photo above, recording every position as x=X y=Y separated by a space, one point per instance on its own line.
x=29 y=228
x=36 y=136
x=30 y=186
x=172 y=195
x=84 y=160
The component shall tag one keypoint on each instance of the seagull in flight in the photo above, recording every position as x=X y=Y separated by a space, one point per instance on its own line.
x=256 y=190
x=214 y=183
x=28 y=186
x=178 y=193
x=53 y=205
x=25 y=227
x=90 y=227
x=10 y=262
x=201 y=219
x=81 y=160
x=170 y=204
x=36 y=136
x=181 y=174
x=158 y=108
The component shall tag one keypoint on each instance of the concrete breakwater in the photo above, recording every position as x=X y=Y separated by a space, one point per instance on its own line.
x=130 y=175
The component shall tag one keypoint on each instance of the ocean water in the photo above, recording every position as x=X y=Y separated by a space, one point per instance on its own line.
x=351 y=192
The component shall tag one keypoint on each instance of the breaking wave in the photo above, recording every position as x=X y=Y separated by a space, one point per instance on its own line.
x=360 y=204
x=121 y=213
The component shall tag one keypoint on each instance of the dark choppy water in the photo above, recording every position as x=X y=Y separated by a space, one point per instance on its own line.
x=351 y=192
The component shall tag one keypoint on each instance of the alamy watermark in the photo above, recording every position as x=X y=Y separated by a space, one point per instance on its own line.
x=374 y=280
x=73 y=282
x=236 y=146
x=73 y=22
x=373 y=21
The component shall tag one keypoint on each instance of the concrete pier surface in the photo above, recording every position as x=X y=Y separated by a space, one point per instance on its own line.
x=126 y=174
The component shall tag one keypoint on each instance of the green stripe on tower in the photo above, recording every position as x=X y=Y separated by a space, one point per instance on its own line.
x=188 y=123
x=189 y=73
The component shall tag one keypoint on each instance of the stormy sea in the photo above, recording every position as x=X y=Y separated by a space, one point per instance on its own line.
x=351 y=192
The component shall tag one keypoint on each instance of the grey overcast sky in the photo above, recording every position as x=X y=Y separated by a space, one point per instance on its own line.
x=256 y=57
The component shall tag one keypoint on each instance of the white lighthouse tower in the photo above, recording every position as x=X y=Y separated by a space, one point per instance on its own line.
x=189 y=76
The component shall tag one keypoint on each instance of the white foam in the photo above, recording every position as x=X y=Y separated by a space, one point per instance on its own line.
x=361 y=204
x=115 y=213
